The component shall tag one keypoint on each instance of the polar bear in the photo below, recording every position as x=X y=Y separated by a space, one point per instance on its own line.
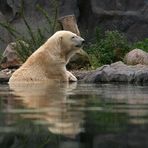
x=49 y=61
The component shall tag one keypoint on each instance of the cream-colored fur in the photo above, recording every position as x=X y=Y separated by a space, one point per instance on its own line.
x=50 y=104
x=49 y=61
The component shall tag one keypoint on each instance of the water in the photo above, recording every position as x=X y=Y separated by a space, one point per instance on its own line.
x=73 y=116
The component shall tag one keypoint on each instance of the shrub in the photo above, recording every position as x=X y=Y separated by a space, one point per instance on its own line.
x=111 y=48
x=141 y=45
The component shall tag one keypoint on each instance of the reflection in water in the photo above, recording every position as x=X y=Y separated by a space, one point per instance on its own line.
x=129 y=99
x=132 y=100
x=49 y=104
x=74 y=116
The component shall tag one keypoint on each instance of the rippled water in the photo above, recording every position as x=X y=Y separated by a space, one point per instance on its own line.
x=73 y=116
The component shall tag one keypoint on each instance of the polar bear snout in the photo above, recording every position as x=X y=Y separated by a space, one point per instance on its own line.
x=78 y=41
x=83 y=41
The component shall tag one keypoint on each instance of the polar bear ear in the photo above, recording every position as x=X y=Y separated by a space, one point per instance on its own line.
x=60 y=39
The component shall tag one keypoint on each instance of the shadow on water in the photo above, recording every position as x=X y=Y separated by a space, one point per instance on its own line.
x=73 y=116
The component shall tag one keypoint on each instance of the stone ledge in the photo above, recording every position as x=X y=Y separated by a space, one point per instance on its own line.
x=116 y=72
x=5 y=75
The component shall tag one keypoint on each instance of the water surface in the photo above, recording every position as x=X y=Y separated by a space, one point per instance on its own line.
x=73 y=116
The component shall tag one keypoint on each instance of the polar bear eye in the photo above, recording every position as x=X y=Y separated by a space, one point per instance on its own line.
x=73 y=37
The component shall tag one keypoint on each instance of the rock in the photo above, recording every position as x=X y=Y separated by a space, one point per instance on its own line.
x=10 y=57
x=4 y=34
x=127 y=17
x=136 y=56
x=68 y=7
x=69 y=23
x=5 y=75
x=141 y=76
x=80 y=74
x=118 y=72
x=79 y=61
x=95 y=76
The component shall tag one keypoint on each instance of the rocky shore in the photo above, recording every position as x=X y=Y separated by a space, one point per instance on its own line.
x=116 y=72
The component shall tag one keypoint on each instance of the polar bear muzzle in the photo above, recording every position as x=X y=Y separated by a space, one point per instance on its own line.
x=78 y=41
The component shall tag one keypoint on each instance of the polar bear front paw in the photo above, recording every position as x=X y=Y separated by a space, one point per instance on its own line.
x=71 y=77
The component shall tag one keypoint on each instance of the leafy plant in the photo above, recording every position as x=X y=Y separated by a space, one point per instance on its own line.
x=111 y=48
x=141 y=45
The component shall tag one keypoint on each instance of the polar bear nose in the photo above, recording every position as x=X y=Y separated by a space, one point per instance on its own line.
x=83 y=41
x=79 y=41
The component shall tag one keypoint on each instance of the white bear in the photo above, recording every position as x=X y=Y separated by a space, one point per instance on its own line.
x=49 y=61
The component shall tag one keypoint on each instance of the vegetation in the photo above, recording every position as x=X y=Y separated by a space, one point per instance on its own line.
x=108 y=49
x=141 y=45
x=26 y=45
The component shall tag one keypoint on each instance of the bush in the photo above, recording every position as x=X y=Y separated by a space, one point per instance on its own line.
x=141 y=45
x=111 y=48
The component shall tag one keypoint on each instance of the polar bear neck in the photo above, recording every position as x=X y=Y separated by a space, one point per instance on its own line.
x=58 y=51
x=67 y=55
x=54 y=50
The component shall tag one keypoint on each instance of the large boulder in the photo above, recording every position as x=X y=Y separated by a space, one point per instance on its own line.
x=10 y=57
x=130 y=17
x=116 y=73
x=136 y=56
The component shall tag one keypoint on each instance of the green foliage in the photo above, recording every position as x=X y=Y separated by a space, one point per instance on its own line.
x=111 y=48
x=141 y=45
x=35 y=38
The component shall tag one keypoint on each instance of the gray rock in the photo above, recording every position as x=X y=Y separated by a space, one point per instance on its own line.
x=127 y=16
x=94 y=76
x=141 y=76
x=118 y=72
x=10 y=58
x=5 y=75
x=4 y=34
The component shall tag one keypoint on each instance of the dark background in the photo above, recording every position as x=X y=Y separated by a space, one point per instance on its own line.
x=128 y=16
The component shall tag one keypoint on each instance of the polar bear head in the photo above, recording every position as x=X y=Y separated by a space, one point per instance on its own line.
x=69 y=43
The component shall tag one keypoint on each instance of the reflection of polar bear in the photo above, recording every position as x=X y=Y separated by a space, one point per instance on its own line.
x=49 y=61
x=49 y=103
